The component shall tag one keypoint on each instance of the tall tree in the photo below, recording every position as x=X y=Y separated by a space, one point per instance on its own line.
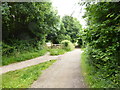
x=72 y=27
x=27 y=20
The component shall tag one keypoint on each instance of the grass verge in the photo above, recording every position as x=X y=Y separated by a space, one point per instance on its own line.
x=21 y=57
x=93 y=76
x=25 y=77
x=56 y=51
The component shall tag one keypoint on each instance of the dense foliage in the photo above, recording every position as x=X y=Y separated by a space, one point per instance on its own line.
x=26 y=26
x=72 y=28
x=68 y=29
x=24 y=21
x=102 y=38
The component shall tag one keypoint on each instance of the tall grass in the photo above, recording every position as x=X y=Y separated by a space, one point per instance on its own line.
x=22 y=56
x=21 y=50
x=25 y=50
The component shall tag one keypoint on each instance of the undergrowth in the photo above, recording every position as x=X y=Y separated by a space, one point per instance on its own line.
x=22 y=56
x=21 y=50
x=25 y=50
x=95 y=78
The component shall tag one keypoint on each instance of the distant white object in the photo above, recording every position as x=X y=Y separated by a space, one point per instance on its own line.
x=49 y=44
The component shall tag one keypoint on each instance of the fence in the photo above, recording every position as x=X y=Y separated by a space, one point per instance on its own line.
x=49 y=45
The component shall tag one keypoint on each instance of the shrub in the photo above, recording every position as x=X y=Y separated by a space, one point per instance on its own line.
x=102 y=38
x=20 y=50
x=6 y=49
x=67 y=45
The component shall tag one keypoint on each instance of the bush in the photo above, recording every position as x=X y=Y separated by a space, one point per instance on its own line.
x=6 y=49
x=102 y=38
x=97 y=78
x=21 y=50
x=67 y=45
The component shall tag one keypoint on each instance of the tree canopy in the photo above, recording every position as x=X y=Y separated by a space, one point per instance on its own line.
x=72 y=28
x=28 y=20
x=34 y=23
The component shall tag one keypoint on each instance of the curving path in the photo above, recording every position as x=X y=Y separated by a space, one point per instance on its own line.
x=65 y=73
x=27 y=63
